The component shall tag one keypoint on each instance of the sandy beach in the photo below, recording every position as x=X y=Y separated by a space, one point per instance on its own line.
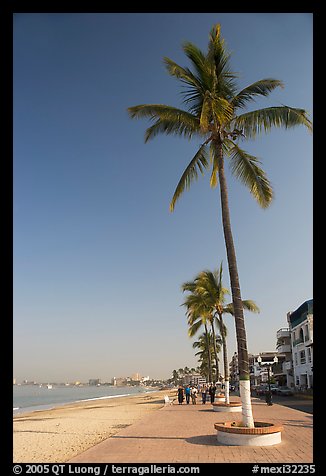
x=55 y=436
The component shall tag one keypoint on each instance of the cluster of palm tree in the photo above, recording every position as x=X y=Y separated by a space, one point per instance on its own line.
x=207 y=357
x=178 y=375
x=205 y=306
x=215 y=114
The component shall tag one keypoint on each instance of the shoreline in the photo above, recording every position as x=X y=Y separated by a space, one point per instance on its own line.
x=19 y=411
x=58 y=434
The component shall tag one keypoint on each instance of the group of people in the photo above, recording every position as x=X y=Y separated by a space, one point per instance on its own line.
x=192 y=392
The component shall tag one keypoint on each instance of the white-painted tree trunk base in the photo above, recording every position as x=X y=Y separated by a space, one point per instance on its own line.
x=233 y=439
x=220 y=399
x=226 y=408
x=247 y=417
x=227 y=391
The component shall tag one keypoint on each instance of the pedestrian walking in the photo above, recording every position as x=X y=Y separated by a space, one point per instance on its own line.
x=212 y=391
x=204 y=394
x=188 y=392
x=180 y=394
x=194 y=392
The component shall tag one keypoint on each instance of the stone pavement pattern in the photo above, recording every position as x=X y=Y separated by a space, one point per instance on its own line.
x=186 y=434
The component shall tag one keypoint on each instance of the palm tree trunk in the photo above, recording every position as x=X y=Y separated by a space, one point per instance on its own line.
x=217 y=373
x=225 y=361
x=244 y=377
x=209 y=355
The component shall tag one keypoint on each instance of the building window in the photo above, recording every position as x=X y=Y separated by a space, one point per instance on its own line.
x=307 y=332
x=309 y=354
x=302 y=357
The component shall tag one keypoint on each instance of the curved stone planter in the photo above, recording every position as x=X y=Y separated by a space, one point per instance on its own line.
x=227 y=407
x=220 y=397
x=264 y=434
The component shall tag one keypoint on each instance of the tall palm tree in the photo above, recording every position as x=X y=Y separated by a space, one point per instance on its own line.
x=214 y=113
x=199 y=314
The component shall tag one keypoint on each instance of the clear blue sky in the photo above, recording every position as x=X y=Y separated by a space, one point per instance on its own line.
x=98 y=257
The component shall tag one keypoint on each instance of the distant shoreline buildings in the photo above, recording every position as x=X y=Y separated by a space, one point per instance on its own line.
x=135 y=379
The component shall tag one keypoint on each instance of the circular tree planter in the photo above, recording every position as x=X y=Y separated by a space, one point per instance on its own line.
x=263 y=434
x=220 y=397
x=227 y=407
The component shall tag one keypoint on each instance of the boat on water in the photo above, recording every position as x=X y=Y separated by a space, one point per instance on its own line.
x=49 y=386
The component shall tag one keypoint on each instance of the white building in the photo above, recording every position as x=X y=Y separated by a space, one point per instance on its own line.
x=259 y=370
x=194 y=379
x=285 y=374
x=301 y=331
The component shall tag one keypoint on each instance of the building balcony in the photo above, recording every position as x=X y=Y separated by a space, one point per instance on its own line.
x=284 y=348
x=283 y=332
x=308 y=340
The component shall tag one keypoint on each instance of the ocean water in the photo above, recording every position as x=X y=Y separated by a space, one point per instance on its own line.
x=27 y=398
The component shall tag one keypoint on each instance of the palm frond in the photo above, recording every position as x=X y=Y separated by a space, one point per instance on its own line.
x=219 y=59
x=206 y=112
x=170 y=127
x=193 y=329
x=216 y=51
x=246 y=168
x=199 y=63
x=262 y=120
x=259 y=88
x=169 y=120
x=228 y=309
x=188 y=286
x=193 y=91
x=193 y=99
x=250 y=305
x=201 y=354
x=184 y=74
x=227 y=146
x=196 y=308
x=198 y=163
x=247 y=304
x=222 y=110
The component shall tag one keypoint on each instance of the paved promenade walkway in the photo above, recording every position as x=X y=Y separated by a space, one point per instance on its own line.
x=186 y=434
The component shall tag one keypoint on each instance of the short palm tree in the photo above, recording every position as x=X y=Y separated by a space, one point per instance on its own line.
x=208 y=286
x=205 y=346
x=194 y=324
x=175 y=377
x=199 y=314
x=214 y=113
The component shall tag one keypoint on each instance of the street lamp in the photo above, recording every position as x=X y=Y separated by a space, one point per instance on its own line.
x=269 y=393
